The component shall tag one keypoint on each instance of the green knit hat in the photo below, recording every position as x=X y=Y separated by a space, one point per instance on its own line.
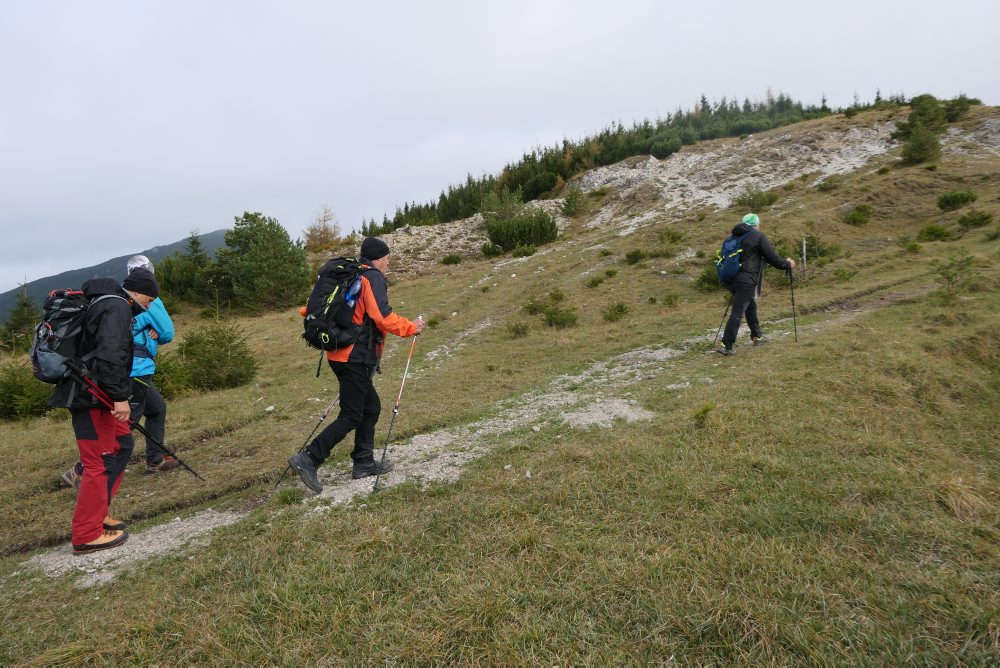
x=751 y=219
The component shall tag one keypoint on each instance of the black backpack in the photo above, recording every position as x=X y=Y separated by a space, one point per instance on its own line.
x=57 y=336
x=329 y=321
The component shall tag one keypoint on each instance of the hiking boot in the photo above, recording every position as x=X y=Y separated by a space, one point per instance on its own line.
x=108 y=540
x=72 y=477
x=365 y=469
x=306 y=468
x=167 y=464
x=760 y=340
x=111 y=524
x=725 y=351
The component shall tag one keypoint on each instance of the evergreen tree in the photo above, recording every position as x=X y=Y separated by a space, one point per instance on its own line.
x=263 y=266
x=21 y=323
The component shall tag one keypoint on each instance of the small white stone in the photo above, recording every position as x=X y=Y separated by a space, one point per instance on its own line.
x=536 y=429
x=663 y=273
x=513 y=275
x=507 y=467
x=527 y=473
x=269 y=409
x=454 y=313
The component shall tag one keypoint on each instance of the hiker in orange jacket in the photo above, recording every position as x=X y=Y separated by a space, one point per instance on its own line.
x=355 y=365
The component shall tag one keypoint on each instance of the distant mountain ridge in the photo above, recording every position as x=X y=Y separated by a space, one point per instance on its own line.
x=114 y=267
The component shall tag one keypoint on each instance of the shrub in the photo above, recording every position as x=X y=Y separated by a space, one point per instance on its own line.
x=610 y=273
x=491 y=250
x=912 y=247
x=217 y=356
x=556 y=295
x=635 y=256
x=172 y=378
x=517 y=330
x=575 y=202
x=954 y=271
x=433 y=322
x=534 y=306
x=560 y=318
x=955 y=199
x=652 y=300
x=594 y=281
x=830 y=183
x=615 y=312
x=708 y=280
x=670 y=235
x=523 y=251
x=842 y=274
x=931 y=168
x=21 y=394
x=958 y=107
x=605 y=252
x=752 y=198
x=671 y=299
x=451 y=258
x=531 y=228
x=922 y=146
x=859 y=215
x=883 y=170
x=975 y=218
x=992 y=235
x=934 y=232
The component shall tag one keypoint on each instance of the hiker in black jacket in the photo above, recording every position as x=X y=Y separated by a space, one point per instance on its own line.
x=103 y=435
x=755 y=247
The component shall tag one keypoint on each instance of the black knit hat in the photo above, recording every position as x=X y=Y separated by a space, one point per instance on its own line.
x=373 y=248
x=141 y=280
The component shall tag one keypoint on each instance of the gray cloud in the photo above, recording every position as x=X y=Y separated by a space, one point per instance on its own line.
x=125 y=125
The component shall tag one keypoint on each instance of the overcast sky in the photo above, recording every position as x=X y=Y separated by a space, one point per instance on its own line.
x=124 y=125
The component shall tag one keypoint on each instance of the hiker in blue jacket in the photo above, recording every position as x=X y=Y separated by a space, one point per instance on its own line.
x=150 y=329
x=756 y=249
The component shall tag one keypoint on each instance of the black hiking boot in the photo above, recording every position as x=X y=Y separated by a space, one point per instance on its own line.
x=725 y=351
x=365 y=469
x=761 y=340
x=306 y=468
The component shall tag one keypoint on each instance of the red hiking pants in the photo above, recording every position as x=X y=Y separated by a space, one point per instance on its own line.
x=105 y=446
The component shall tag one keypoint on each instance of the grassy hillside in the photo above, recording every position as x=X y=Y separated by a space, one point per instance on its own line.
x=831 y=500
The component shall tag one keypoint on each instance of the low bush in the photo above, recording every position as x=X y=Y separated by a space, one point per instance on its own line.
x=752 y=198
x=859 y=215
x=670 y=235
x=217 y=356
x=517 y=330
x=830 y=183
x=556 y=295
x=842 y=274
x=708 y=280
x=934 y=232
x=594 y=281
x=605 y=252
x=635 y=256
x=452 y=258
x=671 y=299
x=575 y=202
x=955 y=199
x=610 y=273
x=21 y=394
x=523 y=251
x=532 y=228
x=615 y=312
x=883 y=170
x=491 y=250
x=560 y=318
x=922 y=146
x=975 y=218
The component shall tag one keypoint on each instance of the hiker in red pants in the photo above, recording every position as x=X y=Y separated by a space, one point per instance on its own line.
x=103 y=436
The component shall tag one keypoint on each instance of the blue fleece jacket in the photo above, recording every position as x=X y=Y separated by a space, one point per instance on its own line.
x=144 y=350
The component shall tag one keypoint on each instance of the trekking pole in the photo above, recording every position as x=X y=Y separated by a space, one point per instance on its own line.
x=76 y=373
x=791 y=282
x=724 y=314
x=395 y=412
x=308 y=438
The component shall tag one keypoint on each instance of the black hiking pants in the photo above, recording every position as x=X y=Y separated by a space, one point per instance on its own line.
x=359 y=410
x=148 y=403
x=743 y=303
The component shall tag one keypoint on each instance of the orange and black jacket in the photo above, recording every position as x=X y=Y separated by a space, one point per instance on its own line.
x=372 y=309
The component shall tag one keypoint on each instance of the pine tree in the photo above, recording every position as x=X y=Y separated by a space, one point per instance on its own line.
x=264 y=267
x=21 y=322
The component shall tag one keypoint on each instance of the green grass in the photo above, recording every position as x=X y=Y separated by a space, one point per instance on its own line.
x=837 y=504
